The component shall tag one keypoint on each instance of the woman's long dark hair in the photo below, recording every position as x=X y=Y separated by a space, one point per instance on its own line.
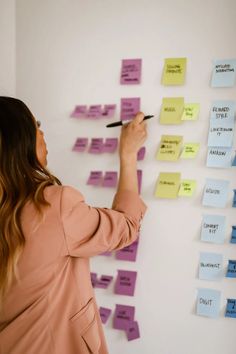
x=22 y=178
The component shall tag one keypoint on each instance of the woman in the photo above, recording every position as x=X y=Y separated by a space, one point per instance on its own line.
x=48 y=233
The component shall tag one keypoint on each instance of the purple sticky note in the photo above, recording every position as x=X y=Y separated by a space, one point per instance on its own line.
x=94 y=111
x=95 y=178
x=110 y=145
x=104 y=314
x=79 y=112
x=93 y=279
x=123 y=315
x=128 y=253
x=141 y=153
x=96 y=146
x=125 y=282
x=109 y=110
x=110 y=179
x=132 y=331
x=131 y=71
x=104 y=281
x=80 y=144
x=129 y=107
x=140 y=175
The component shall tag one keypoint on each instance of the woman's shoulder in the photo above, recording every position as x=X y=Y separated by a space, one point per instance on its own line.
x=64 y=192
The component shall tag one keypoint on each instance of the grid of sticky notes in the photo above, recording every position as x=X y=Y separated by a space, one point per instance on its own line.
x=221 y=133
x=170 y=185
x=123 y=315
x=125 y=281
x=216 y=192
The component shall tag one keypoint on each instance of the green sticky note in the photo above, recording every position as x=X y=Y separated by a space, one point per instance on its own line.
x=187 y=188
x=172 y=110
x=168 y=185
x=191 y=111
x=174 y=71
x=190 y=150
x=169 y=149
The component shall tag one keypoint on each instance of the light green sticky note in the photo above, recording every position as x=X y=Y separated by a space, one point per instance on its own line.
x=190 y=150
x=191 y=111
x=169 y=149
x=172 y=110
x=187 y=188
x=174 y=71
x=168 y=185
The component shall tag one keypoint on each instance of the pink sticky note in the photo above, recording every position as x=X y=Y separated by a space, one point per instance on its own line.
x=95 y=178
x=94 y=111
x=140 y=175
x=129 y=107
x=110 y=145
x=104 y=314
x=93 y=279
x=131 y=71
x=123 y=315
x=141 y=153
x=132 y=331
x=104 y=281
x=110 y=179
x=125 y=282
x=80 y=144
x=96 y=146
x=128 y=253
x=79 y=112
x=109 y=110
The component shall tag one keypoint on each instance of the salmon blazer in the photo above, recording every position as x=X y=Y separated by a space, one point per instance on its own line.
x=50 y=308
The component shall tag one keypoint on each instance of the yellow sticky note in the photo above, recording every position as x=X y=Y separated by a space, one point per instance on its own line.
x=190 y=150
x=187 y=188
x=172 y=110
x=174 y=71
x=191 y=111
x=168 y=185
x=169 y=149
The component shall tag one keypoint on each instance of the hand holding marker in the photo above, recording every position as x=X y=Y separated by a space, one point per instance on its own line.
x=120 y=122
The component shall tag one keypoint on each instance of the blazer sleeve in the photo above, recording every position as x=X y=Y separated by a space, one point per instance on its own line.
x=90 y=231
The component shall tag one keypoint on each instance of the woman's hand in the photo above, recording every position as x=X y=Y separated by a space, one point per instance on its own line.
x=132 y=137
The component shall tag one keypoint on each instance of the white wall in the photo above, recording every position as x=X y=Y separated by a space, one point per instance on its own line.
x=69 y=52
x=7 y=45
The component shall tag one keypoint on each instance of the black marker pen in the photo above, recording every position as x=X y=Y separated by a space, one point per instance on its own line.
x=121 y=122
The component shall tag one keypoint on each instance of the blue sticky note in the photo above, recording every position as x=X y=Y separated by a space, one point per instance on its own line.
x=234 y=161
x=210 y=266
x=233 y=234
x=231 y=271
x=231 y=308
x=215 y=193
x=221 y=133
x=223 y=111
x=208 y=302
x=213 y=228
x=234 y=199
x=219 y=157
x=223 y=73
